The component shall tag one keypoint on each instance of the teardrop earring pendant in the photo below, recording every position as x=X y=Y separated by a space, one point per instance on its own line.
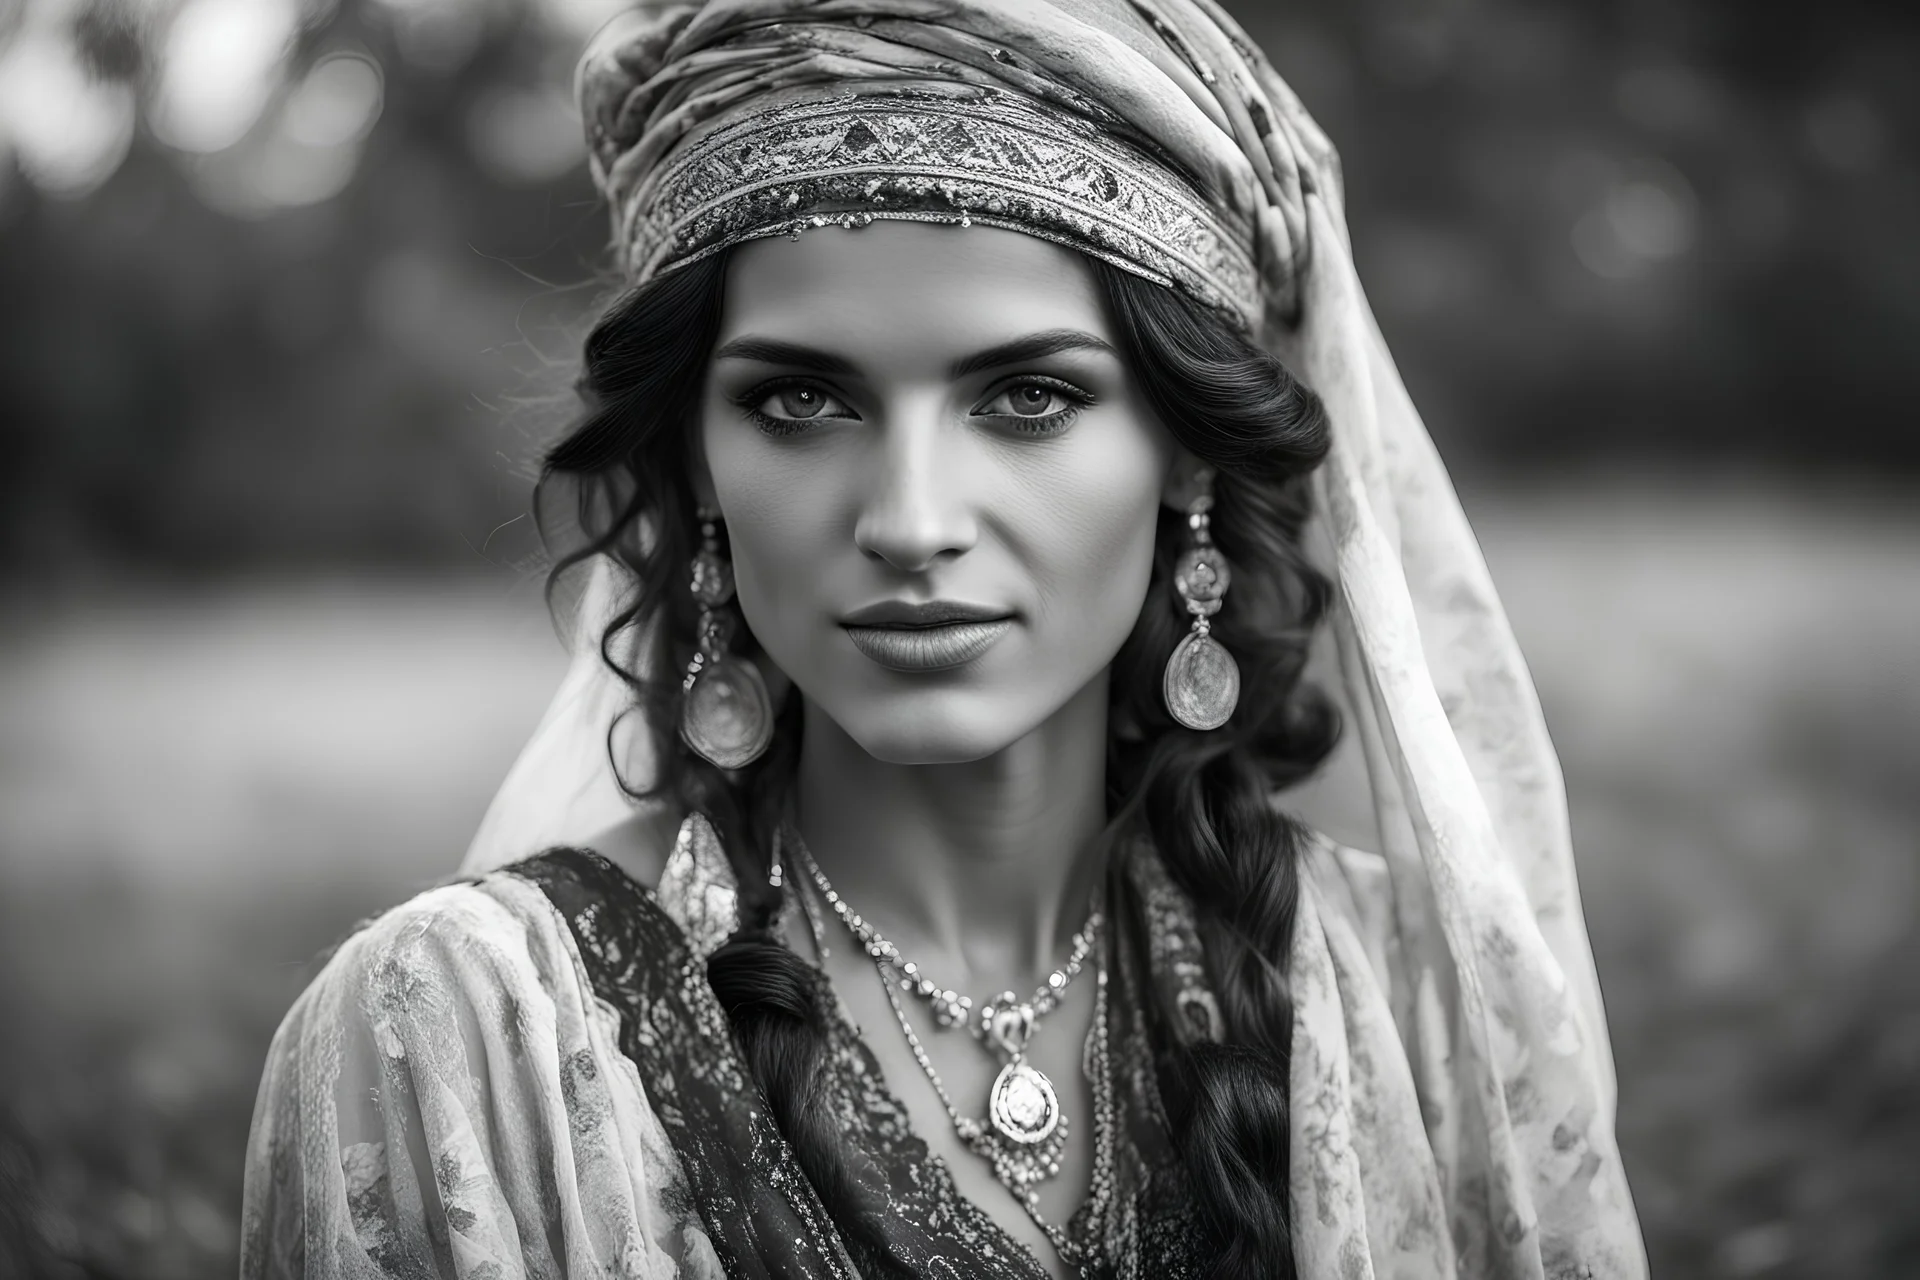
x=726 y=716
x=1202 y=682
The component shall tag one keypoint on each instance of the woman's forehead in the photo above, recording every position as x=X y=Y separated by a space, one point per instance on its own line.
x=900 y=290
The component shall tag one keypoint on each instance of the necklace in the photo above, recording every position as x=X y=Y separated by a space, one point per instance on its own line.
x=1006 y=1018
x=1022 y=1107
x=1020 y=1169
x=1025 y=1132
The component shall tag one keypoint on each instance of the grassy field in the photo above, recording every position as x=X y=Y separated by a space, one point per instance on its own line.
x=199 y=788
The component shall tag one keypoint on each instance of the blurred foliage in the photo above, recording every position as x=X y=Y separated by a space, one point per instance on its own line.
x=258 y=312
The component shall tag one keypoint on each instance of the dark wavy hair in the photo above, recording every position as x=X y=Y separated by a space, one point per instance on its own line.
x=621 y=479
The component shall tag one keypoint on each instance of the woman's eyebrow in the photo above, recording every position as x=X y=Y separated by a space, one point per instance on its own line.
x=1030 y=347
x=775 y=351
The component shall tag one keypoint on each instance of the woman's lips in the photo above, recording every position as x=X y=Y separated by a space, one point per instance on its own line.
x=930 y=648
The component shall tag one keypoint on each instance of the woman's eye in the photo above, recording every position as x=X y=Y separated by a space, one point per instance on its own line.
x=1029 y=400
x=789 y=406
x=1035 y=402
x=800 y=403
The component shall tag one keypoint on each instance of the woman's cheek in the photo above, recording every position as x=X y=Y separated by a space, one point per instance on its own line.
x=1093 y=559
x=777 y=523
x=1105 y=512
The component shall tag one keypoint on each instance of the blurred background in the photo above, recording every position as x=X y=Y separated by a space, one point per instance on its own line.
x=290 y=292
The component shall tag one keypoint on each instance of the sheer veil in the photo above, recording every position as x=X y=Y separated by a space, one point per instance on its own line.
x=1494 y=982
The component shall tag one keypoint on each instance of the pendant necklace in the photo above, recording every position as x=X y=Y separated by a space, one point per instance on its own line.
x=1024 y=1132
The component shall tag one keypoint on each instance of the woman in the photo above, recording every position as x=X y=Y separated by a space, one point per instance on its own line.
x=919 y=894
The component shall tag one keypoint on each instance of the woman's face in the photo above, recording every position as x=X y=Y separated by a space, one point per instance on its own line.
x=938 y=477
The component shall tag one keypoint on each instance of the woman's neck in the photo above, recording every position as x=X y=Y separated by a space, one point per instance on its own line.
x=983 y=869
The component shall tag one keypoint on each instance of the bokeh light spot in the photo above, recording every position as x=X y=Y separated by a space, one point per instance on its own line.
x=336 y=103
x=525 y=136
x=438 y=36
x=1647 y=215
x=1846 y=132
x=69 y=129
x=220 y=66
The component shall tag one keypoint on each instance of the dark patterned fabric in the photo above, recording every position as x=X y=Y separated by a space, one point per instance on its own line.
x=760 y=1213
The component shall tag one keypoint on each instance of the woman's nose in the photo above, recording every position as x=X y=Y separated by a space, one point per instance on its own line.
x=914 y=513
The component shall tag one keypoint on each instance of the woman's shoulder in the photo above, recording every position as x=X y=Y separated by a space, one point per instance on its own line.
x=515 y=929
x=478 y=939
x=466 y=1019
x=482 y=906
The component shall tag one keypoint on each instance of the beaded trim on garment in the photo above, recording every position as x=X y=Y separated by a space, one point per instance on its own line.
x=919 y=155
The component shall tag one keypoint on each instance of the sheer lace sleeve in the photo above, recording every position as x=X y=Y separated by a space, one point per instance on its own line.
x=448 y=1099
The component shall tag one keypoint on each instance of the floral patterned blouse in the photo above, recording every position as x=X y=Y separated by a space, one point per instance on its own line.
x=528 y=1075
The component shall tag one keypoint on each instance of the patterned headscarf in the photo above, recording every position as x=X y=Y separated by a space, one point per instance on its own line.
x=1453 y=1088
x=1155 y=137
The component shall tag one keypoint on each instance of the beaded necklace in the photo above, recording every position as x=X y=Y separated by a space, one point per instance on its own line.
x=1024 y=1132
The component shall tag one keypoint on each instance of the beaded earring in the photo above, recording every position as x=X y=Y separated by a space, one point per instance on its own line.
x=1202 y=682
x=726 y=716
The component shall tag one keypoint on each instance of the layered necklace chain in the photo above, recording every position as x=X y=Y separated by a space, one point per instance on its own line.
x=1024 y=1131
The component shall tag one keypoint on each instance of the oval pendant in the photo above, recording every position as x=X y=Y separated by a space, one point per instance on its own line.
x=1202 y=684
x=727 y=716
x=1023 y=1107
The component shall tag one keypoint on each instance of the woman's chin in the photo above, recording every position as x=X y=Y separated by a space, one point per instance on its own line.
x=933 y=731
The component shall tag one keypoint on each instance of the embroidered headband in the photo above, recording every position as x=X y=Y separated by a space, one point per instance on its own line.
x=925 y=155
x=1128 y=131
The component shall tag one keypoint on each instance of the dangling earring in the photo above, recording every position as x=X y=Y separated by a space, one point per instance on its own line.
x=725 y=713
x=1202 y=684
